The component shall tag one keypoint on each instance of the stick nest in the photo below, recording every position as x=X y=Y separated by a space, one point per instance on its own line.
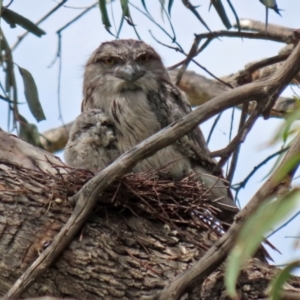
x=174 y=203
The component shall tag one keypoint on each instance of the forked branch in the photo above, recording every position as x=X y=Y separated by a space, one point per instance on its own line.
x=88 y=196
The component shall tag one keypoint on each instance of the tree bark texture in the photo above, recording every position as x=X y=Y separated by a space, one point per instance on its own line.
x=123 y=251
x=119 y=253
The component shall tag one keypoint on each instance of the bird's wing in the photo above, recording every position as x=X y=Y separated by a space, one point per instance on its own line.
x=171 y=106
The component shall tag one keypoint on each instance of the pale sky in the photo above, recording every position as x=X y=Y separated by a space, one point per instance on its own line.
x=222 y=57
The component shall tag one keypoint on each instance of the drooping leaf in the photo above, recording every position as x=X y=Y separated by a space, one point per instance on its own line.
x=162 y=8
x=125 y=8
x=193 y=9
x=31 y=95
x=237 y=19
x=285 y=131
x=144 y=5
x=125 y=15
x=278 y=282
x=271 y=4
x=221 y=12
x=289 y=166
x=252 y=234
x=170 y=6
x=104 y=14
x=13 y=19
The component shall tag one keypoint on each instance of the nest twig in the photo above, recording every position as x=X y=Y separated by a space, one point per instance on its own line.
x=174 y=203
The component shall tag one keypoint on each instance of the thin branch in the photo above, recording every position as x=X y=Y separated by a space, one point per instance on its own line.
x=246 y=75
x=213 y=127
x=212 y=75
x=88 y=196
x=218 y=252
x=189 y=57
x=242 y=34
x=242 y=184
x=77 y=17
x=244 y=132
x=158 y=25
x=277 y=32
x=192 y=8
x=11 y=85
x=60 y=116
x=238 y=139
x=284 y=224
x=21 y=37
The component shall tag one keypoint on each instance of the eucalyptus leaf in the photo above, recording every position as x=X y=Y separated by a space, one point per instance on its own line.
x=104 y=14
x=252 y=234
x=144 y=5
x=170 y=6
x=13 y=19
x=217 y=4
x=285 y=131
x=278 y=282
x=31 y=95
x=271 y=4
x=125 y=8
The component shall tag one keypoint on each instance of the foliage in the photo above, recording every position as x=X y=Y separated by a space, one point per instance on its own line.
x=273 y=210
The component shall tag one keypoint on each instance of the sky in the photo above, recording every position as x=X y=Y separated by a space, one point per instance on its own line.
x=223 y=57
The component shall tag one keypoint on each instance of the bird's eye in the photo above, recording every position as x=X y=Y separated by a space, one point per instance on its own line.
x=109 y=61
x=144 y=58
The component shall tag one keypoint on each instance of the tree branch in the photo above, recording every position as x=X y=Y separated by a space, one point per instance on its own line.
x=218 y=252
x=88 y=196
x=277 y=32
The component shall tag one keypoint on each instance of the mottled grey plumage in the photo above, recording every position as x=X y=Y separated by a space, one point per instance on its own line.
x=128 y=82
x=91 y=143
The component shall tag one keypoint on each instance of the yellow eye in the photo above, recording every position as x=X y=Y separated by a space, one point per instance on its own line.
x=109 y=61
x=144 y=58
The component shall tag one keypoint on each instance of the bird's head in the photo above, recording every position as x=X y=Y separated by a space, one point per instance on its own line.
x=125 y=65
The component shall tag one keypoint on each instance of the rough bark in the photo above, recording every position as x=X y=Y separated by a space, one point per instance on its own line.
x=118 y=255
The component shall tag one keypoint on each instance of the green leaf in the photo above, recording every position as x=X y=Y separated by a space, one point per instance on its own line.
x=252 y=234
x=271 y=4
x=125 y=8
x=31 y=95
x=221 y=12
x=289 y=166
x=285 y=131
x=170 y=6
x=125 y=15
x=104 y=14
x=278 y=282
x=144 y=5
x=162 y=8
x=12 y=18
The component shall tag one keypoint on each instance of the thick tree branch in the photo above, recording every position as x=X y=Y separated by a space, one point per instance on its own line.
x=87 y=197
x=218 y=252
x=277 y=32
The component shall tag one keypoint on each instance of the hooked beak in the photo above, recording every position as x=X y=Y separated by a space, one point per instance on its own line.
x=129 y=73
